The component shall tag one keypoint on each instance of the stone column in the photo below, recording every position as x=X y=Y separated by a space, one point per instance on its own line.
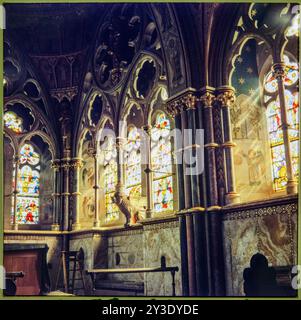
x=15 y=192
x=184 y=258
x=175 y=113
x=279 y=74
x=186 y=177
x=226 y=98
x=76 y=164
x=207 y=99
x=194 y=180
x=66 y=194
x=96 y=223
x=148 y=171
x=120 y=141
x=56 y=194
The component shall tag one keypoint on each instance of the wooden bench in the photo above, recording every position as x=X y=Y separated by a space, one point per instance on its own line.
x=162 y=268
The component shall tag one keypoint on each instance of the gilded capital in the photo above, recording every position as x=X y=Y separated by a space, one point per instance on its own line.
x=184 y=101
x=207 y=99
x=189 y=101
x=55 y=164
x=173 y=109
x=226 y=97
x=77 y=163
x=65 y=164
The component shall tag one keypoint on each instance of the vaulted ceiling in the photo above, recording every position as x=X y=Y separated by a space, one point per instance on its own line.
x=47 y=29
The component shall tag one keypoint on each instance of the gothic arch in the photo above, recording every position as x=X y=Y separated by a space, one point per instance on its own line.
x=40 y=125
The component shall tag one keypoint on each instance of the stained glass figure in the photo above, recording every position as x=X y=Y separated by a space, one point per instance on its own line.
x=28 y=186
x=274 y=122
x=291 y=76
x=13 y=122
x=132 y=159
x=110 y=180
x=28 y=155
x=161 y=155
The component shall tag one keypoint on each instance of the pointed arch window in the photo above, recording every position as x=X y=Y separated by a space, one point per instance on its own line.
x=13 y=122
x=162 y=164
x=110 y=180
x=133 y=163
x=28 y=186
x=274 y=122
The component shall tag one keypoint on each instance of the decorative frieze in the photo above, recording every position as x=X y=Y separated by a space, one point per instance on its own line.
x=161 y=225
x=290 y=208
x=68 y=93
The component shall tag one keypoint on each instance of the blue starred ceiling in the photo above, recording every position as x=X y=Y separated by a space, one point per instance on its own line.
x=245 y=77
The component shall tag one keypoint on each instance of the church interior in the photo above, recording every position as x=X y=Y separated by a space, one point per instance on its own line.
x=84 y=215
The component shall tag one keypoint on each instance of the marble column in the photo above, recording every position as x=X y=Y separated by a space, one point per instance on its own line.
x=175 y=113
x=96 y=223
x=56 y=194
x=184 y=258
x=76 y=164
x=149 y=173
x=207 y=99
x=226 y=98
x=200 y=215
x=194 y=181
x=15 y=192
x=188 y=121
x=186 y=177
x=120 y=142
x=65 y=163
x=279 y=74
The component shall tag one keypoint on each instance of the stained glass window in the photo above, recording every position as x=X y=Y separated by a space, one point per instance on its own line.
x=274 y=122
x=13 y=122
x=28 y=185
x=162 y=164
x=110 y=177
x=133 y=163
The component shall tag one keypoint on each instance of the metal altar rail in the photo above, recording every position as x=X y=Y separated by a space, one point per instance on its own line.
x=163 y=268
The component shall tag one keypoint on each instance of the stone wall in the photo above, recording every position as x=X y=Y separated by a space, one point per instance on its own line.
x=162 y=240
x=136 y=247
x=268 y=227
x=144 y=247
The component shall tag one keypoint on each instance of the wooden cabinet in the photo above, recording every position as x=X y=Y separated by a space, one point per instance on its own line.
x=31 y=260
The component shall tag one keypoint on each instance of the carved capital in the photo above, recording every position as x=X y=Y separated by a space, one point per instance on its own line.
x=186 y=100
x=226 y=96
x=65 y=164
x=207 y=99
x=173 y=109
x=76 y=163
x=55 y=164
